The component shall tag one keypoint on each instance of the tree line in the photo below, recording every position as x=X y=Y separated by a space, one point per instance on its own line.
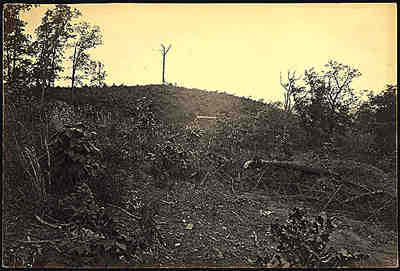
x=330 y=111
x=39 y=61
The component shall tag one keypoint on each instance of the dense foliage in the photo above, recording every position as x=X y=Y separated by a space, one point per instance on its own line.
x=40 y=60
x=326 y=101
x=18 y=49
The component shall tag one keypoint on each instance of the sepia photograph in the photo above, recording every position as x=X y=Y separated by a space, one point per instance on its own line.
x=215 y=135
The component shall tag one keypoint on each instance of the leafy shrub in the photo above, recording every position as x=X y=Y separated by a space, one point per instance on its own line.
x=76 y=157
x=269 y=132
x=304 y=242
x=325 y=101
x=107 y=243
x=61 y=113
x=100 y=252
x=378 y=114
x=84 y=211
x=124 y=141
x=170 y=161
x=101 y=240
x=110 y=187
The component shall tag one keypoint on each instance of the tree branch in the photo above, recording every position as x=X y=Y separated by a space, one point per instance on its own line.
x=47 y=223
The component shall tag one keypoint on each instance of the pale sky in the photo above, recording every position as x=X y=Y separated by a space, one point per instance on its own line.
x=240 y=48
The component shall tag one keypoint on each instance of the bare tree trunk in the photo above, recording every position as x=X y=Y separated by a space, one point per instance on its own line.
x=8 y=65
x=44 y=76
x=13 y=68
x=53 y=68
x=98 y=80
x=163 y=69
x=289 y=89
x=73 y=73
x=53 y=74
x=43 y=93
x=164 y=52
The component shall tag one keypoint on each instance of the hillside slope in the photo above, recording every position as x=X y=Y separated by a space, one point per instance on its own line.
x=170 y=103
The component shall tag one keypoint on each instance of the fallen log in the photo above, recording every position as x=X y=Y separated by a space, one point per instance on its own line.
x=289 y=165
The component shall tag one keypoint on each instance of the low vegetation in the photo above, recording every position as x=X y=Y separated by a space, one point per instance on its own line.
x=109 y=179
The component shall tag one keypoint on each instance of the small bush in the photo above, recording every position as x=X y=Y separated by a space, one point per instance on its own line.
x=304 y=242
x=110 y=187
x=76 y=157
x=170 y=161
x=101 y=241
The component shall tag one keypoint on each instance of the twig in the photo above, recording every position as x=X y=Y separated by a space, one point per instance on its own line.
x=45 y=241
x=238 y=216
x=232 y=181
x=221 y=177
x=168 y=202
x=378 y=210
x=47 y=223
x=56 y=247
x=22 y=158
x=363 y=195
x=36 y=175
x=330 y=199
x=300 y=196
x=259 y=179
x=233 y=188
x=255 y=238
x=125 y=211
x=48 y=160
x=59 y=224
x=239 y=179
x=356 y=184
x=205 y=178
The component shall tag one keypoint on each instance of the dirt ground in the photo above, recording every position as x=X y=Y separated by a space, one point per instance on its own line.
x=210 y=226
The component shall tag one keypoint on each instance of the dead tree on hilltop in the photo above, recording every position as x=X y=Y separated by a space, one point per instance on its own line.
x=289 y=90
x=164 y=52
x=289 y=105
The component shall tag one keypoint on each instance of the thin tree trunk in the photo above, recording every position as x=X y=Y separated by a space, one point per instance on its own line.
x=98 y=83
x=13 y=68
x=164 y=52
x=43 y=75
x=74 y=61
x=163 y=69
x=43 y=68
x=55 y=41
x=52 y=76
x=43 y=94
x=8 y=66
